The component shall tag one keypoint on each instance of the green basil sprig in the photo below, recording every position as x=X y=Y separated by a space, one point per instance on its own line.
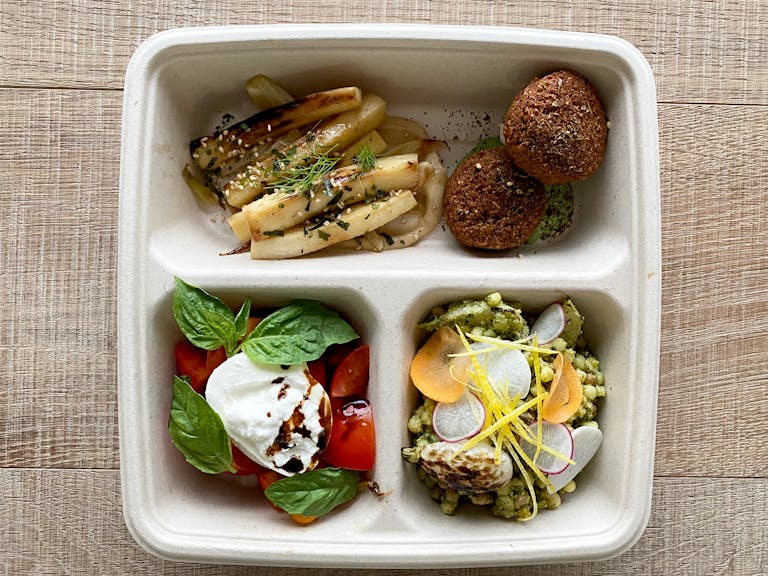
x=197 y=431
x=206 y=321
x=299 y=332
x=314 y=493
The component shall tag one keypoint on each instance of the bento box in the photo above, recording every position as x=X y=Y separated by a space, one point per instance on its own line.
x=457 y=82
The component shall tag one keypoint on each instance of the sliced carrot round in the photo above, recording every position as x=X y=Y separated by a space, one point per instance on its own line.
x=565 y=392
x=434 y=372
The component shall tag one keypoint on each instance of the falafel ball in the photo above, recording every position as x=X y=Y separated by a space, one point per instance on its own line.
x=490 y=204
x=556 y=129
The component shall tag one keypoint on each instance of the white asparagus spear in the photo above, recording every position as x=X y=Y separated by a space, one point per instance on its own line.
x=354 y=221
x=210 y=151
x=341 y=187
x=336 y=132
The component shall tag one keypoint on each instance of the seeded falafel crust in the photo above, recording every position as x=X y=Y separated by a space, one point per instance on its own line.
x=556 y=129
x=490 y=204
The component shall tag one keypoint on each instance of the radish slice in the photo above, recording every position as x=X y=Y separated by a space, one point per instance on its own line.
x=586 y=441
x=550 y=323
x=460 y=420
x=555 y=436
x=507 y=370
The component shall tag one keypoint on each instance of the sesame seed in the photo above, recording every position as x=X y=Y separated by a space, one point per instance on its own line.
x=221 y=149
x=478 y=166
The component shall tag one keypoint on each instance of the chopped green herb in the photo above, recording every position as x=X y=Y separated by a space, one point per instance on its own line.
x=327 y=188
x=335 y=199
x=388 y=238
x=274 y=233
x=323 y=235
x=342 y=224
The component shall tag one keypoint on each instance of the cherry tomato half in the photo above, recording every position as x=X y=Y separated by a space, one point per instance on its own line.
x=352 y=444
x=335 y=353
x=351 y=376
x=192 y=361
x=319 y=371
x=215 y=358
x=243 y=465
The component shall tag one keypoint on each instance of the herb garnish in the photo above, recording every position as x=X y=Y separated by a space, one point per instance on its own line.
x=365 y=159
x=206 y=321
x=314 y=493
x=299 y=332
x=302 y=177
x=197 y=430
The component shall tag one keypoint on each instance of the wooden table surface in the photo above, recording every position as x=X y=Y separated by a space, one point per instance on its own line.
x=62 y=64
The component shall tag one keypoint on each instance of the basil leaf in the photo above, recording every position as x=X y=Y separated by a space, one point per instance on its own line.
x=197 y=431
x=314 y=493
x=205 y=320
x=241 y=320
x=296 y=333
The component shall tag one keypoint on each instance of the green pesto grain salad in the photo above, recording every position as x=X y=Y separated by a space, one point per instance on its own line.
x=508 y=406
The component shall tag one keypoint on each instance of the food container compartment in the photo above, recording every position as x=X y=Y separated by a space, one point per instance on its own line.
x=458 y=82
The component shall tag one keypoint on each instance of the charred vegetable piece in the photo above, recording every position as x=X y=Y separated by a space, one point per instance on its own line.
x=210 y=151
x=341 y=187
x=335 y=132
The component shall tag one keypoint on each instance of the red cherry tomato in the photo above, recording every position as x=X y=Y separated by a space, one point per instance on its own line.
x=243 y=465
x=352 y=444
x=193 y=362
x=335 y=353
x=215 y=358
x=318 y=370
x=351 y=376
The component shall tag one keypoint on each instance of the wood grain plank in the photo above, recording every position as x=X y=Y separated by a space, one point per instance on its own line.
x=714 y=185
x=59 y=251
x=700 y=51
x=58 y=212
x=70 y=522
